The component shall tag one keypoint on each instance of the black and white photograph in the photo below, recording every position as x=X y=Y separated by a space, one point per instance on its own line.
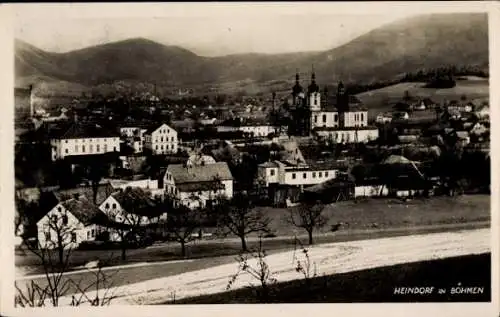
x=251 y=154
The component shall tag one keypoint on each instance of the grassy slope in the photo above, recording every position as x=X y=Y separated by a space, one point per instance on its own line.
x=390 y=213
x=380 y=100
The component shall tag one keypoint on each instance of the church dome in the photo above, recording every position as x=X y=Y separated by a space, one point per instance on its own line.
x=297 y=88
x=313 y=87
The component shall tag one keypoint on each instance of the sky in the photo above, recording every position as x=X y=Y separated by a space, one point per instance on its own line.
x=208 y=30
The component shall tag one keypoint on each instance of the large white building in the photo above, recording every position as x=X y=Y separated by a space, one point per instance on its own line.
x=83 y=139
x=161 y=139
x=134 y=137
x=195 y=186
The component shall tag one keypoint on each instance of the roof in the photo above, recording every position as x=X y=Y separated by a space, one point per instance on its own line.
x=103 y=191
x=462 y=134
x=396 y=159
x=268 y=165
x=135 y=200
x=201 y=173
x=81 y=131
x=86 y=212
x=155 y=127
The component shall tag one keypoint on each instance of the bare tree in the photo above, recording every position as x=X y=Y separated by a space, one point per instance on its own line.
x=239 y=217
x=308 y=216
x=182 y=223
x=55 y=255
x=260 y=272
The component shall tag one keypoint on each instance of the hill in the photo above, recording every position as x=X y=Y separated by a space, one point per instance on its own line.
x=385 y=53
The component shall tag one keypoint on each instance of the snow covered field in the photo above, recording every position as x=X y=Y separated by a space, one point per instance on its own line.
x=329 y=259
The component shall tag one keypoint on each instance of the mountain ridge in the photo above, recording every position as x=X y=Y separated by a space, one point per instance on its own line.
x=382 y=54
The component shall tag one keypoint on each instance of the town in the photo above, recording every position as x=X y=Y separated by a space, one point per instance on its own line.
x=93 y=163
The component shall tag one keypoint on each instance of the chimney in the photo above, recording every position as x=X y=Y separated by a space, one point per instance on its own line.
x=32 y=110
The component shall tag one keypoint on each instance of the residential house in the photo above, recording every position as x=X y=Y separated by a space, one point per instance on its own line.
x=83 y=139
x=147 y=184
x=132 y=207
x=295 y=174
x=483 y=112
x=195 y=186
x=161 y=139
x=383 y=118
x=69 y=223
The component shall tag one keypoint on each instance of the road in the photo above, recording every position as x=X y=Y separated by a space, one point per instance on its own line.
x=155 y=283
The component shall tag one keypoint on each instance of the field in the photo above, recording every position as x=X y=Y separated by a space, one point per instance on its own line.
x=380 y=100
x=364 y=220
x=374 y=285
x=393 y=213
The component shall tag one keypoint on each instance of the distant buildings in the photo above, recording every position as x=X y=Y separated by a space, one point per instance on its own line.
x=161 y=139
x=83 y=139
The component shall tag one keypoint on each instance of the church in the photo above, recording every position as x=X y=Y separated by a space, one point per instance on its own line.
x=340 y=118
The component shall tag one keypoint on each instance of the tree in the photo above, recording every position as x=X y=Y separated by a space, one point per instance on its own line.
x=308 y=216
x=129 y=220
x=182 y=223
x=239 y=217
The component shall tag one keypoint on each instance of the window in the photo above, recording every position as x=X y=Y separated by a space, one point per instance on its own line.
x=98 y=148
x=65 y=219
x=83 y=148
x=156 y=147
x=324 y=118
x=304 y=175
x=294 y=176
x=272 y=172
x=76 y=148
x=114 y=148
x=314 y=174
x=326 y=174
x=47 y=236
x=320 y=174
x=91 y=148
x=73 y=237
x=161 y=147
x=315 y=101
x=335 y=117
x=92 y=233
x=161 y=139
x=105 y=147
x=362 y=117
x=167 y=146
x=106 y=206
x=114 y=206
x=315 y=119
x=172 y=139
x=65 y=141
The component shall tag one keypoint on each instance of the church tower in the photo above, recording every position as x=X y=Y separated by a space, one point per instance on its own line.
x=313 y=94
x=297 y=92
x=342 y=103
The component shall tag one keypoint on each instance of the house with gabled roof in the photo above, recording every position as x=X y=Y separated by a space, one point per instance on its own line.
x=161 y=139
x=83 y=139
x=195 y=186
x=132 y=206
x=69 y=223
